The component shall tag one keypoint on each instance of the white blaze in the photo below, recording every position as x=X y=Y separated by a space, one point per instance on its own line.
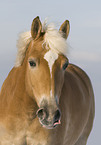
x=51 y=57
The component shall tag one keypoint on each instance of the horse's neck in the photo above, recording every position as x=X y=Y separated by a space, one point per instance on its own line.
x=13 y=92
x=14 y=81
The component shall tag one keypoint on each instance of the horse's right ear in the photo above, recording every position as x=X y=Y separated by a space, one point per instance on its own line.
x=36 y=28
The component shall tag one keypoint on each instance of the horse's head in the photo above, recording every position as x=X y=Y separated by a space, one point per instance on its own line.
x=46 y=63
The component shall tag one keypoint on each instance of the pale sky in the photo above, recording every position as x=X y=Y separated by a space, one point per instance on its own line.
x=84 y=38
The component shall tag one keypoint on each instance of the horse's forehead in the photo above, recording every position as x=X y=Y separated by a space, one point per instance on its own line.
x=50 y=57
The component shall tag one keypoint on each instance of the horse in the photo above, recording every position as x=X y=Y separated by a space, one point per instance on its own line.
x=45 y=100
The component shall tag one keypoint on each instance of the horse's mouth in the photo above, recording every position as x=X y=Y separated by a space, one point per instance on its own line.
x=49 y=125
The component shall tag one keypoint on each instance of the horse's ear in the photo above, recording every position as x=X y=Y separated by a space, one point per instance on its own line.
x=65 y=27
x=36 y=28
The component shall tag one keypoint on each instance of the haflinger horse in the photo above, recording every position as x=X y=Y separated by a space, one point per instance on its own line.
x=45 y=100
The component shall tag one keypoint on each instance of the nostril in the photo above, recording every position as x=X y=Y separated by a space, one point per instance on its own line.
x=57 y=117
x=41 y=114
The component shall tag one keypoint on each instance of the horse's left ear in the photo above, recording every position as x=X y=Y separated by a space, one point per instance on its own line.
x=36 y=28
x=65 y=27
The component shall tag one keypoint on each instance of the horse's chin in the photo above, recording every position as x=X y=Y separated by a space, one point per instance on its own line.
x=49 y=126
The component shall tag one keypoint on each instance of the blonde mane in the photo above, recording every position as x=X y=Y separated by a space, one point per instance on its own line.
x=53 y=40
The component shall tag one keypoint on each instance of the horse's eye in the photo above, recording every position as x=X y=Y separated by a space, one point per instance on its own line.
x=65 y=65
x=32 y=63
